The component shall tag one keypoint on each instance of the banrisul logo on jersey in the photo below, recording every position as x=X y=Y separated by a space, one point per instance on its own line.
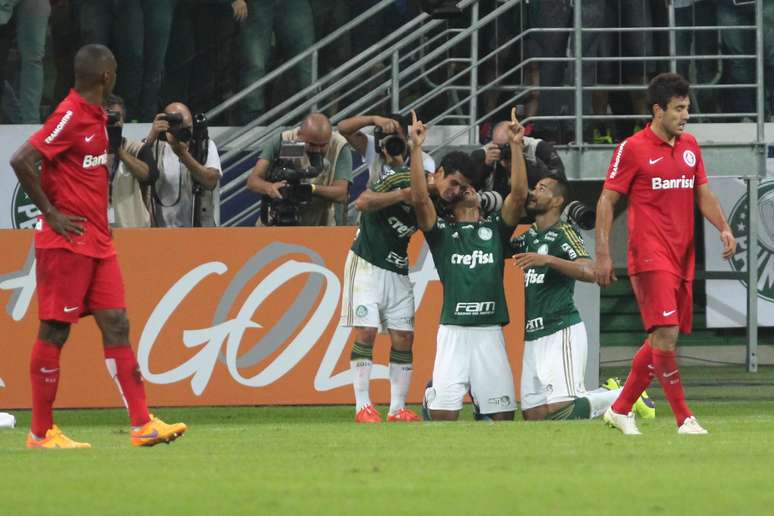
x=739 y=225
x=24 y=213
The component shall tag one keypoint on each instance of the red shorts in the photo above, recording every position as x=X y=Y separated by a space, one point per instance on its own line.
x=72 y=285
x=665 y=300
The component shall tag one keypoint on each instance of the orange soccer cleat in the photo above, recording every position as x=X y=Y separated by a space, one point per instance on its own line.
x=54 y=439
x=157 y=431
x=404 y=415
x=368 y=414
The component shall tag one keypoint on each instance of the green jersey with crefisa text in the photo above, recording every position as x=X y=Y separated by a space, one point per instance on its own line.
x=470 y=260
x=548 y=294
x=383 y=236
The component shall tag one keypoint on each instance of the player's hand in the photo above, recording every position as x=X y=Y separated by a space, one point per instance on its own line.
x=729 y=244
x=406 y=195
x=491 y=154
x=515 y=130
x=274 y=189
x=65 y=225
x=240 y=9
x=418 y=131
x=159 y=126
x=388 y=125
x=530 y=260
x=604 y=274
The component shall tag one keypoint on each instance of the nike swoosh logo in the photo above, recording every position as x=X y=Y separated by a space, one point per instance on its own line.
x=654 y=161
x=89 y=138
x=69 y=309
x=151 y=435
x=667 y=375
x=667 y=314
x=48 y=371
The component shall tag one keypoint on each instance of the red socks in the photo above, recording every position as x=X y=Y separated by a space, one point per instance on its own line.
x=668 y=374
x=44 y=378
x=123 y=368
x=638 y=380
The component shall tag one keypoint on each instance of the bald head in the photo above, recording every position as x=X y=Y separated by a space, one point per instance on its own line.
x=182 y=110
x=95 y=66
x=316 y=129
x=500 y=133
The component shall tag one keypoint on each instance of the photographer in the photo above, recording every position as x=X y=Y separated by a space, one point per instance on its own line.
x=542 y=160
x=185 y=194
x=386 y=149
x=132 y=169
x=302 y=200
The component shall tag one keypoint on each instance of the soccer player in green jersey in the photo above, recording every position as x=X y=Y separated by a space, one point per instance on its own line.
x=377 y=292
x=469 y=253
x=552 y=255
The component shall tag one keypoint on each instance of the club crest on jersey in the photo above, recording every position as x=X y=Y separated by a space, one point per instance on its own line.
x=90 y=161
x=485 y=233
x=543 y=249
x=689 y=157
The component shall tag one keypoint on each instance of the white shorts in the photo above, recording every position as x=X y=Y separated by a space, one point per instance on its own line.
x=373 y=297
x=553 y=368
x=471 y=357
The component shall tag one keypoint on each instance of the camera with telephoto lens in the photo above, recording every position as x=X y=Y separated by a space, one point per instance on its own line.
x=583 y=216
x=390 y=142
x=176 y=128
x=296 y=167
x=114 y=131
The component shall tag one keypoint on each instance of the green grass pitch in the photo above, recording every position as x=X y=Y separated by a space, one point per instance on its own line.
x=314 y=460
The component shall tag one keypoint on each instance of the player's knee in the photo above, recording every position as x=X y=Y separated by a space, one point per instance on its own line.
x=402 y=340
x=665 y=338
x=55 y=332
x=115 y=326
x=365 y=335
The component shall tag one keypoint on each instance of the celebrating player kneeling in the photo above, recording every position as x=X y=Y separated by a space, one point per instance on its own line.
x=553 y=256
x=469 y=253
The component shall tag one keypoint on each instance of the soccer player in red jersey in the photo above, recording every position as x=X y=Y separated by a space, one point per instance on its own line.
x=76 y=266
x=661 y=171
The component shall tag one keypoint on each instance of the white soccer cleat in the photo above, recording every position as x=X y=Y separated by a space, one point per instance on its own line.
x=624 y=423
x=691 y=427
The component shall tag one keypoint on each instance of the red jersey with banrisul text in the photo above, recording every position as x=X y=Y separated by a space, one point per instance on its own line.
x=659 y=180
x=74 y=177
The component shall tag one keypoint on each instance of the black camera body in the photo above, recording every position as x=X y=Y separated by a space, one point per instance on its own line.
x=390 y=142
x=292 y=166
x=176 y=128
x=505 y=151
x=114 y=131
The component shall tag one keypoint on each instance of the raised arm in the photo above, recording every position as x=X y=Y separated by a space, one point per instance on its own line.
x=710 y=208
x=514 y=201
x=603 y=267
x=420 y=196
x=350 y=129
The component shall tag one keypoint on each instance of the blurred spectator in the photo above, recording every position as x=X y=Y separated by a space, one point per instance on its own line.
x=96 y=19
x=329 y=17
x=291 y=23
x=187 y=183
x=199 y=62
x=559 y=14
x=735 y=12
x=132 y=169
x=30 y=18
x=142 y=39
x=326 y=151
x=692 y=13
x=65 y=41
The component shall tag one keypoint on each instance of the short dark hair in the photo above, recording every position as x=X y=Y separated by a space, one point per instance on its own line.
x=458 y=161
x=561 y=188
x=114 y=99
x=664 y=87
